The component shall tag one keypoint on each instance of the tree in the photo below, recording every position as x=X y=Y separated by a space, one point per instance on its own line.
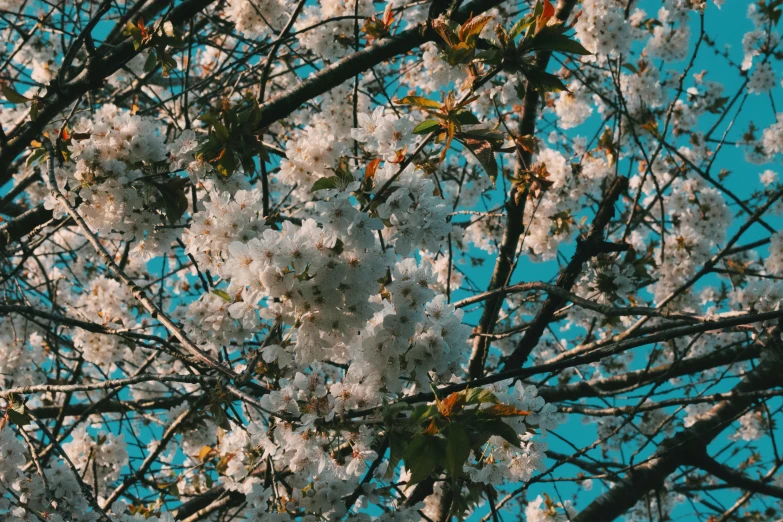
x=351 y=260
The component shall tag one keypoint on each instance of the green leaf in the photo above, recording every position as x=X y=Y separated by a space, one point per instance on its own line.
x=491 y=56
x=397 y=446
x=423 y=412
x=219 y=416
x=343 y=172
x=342 y=178
x=501 y=429
x=34 y=108
x=631 y=67
x=482 y=150
x=227 y=163
x=522 y=24
x=552 y=39
x=419 y=461
x=167 y=63
x=151 y=62
x=467 y=118
x=133 y=31
x=325 y=184
x=457 y=449
x=421 y=457
x=482 y=131
x=480 y=396
x=458 y=54
x=209 y=117
x=173 y=197
x=426 y=127
x=213 y=120
x=35 y=156
x=17 y=411
x=248 y=162
x=11 y=95
x=222 y=294
x=544 y=82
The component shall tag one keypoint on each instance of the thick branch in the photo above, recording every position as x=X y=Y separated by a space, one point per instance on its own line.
x=599 y=387
x=585 y=358
x=357 y=63
x=79 y=409
x=735 y=478
x=673 y=452
x=589 y=247
x=93 y=74
x=515 y=209
x=22 y=225
x=137 y=291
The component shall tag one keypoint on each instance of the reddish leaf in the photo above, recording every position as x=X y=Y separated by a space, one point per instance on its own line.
x=546 y=15
x=452 y=404
x=505 y=410
x=371 y=168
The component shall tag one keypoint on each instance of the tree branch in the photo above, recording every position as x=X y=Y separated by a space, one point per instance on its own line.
x=515 y=209
x=672 y=452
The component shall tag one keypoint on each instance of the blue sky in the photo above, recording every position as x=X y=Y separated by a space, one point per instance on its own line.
x=725 y=26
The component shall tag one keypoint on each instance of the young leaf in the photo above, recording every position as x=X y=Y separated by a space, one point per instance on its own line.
x=547 y=12
x=482 y=150
x=479 y=396
x=35 y=156
x=17 y=411
x=473 y=27
x=371 y=168
x=419 y=101
x=222 y=294
x=450 y=132
x=445 y=32
x=504 y=410
x=458 y=54
x=204 y=452
x=452 y=404
x=527 y=143
x=520 y=26
x=11 y=95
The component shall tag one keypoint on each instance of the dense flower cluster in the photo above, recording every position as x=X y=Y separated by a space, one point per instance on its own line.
x=115 y=154
x=258 y=18
x=603 y=28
